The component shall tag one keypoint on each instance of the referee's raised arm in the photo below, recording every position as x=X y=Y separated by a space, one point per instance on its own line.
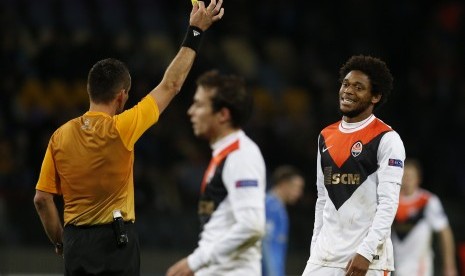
x=201 y=18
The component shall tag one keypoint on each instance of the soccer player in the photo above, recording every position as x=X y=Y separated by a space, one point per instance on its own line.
x=359 y=172
x=232 y=200
x=420 y=214
x=287 y=185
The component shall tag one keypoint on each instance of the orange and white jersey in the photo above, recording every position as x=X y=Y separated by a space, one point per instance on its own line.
x=417 y=218
x=359 y=171
x=231 y=210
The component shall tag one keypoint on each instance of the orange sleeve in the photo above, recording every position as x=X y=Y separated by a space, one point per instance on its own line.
x=133 y=122
x=48 y=179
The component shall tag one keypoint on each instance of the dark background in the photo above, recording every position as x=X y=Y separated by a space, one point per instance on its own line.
x=288 y=51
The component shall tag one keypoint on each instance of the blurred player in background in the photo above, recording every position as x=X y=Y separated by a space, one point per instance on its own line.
x=89 y=161
x=420 y=214
x=232 y=199
x=287 y=185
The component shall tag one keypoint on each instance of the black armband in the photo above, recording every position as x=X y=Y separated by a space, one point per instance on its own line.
x=193 y=38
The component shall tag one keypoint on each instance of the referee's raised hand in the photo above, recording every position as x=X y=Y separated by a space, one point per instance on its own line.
x=203 y=17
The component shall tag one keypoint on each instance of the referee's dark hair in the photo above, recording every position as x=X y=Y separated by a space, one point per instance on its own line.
x=106 y=78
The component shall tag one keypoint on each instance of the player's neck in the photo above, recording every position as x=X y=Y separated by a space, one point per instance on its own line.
x=110 y=109
x=356 y=119
x=221 y=133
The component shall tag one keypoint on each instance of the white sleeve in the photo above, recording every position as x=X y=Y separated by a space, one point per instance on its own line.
x=320 y=202
x=248 y=229
x=199 y=258
x=391 y=157
x=244 y=176
x=435 y=214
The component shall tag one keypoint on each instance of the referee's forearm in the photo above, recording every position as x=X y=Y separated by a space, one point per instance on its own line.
x=49 y=217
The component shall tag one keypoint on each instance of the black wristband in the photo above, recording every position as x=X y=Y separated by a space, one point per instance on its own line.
x=193 y=38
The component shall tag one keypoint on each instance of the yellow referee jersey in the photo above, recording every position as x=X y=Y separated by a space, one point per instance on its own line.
x=89 y=160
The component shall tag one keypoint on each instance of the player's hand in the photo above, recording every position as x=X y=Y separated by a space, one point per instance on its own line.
x=203 y=17
x=181 y=268
x=357 y=266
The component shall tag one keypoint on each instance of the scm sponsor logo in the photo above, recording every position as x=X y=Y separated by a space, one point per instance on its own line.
x=340 y=178
x=345 y=178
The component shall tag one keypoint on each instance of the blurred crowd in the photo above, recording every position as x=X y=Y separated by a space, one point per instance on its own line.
x=288 y=51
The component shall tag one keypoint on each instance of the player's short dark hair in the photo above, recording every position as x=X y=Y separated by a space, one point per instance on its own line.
x=377 y=71
x=229 y=92
x=106 y=78
x=284 y=173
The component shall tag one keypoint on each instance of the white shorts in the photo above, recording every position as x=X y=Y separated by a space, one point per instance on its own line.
x=317 y=270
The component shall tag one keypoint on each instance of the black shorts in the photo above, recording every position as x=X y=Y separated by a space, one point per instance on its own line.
x=92 y=250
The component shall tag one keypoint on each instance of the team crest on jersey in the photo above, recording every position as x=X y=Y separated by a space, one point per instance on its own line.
x=356 y=149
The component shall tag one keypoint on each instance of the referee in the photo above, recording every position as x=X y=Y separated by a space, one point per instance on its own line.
x=89 y=161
